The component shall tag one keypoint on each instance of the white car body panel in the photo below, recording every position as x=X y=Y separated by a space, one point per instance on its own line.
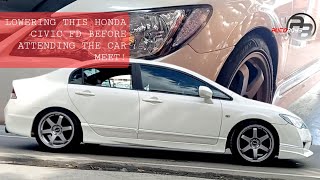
x=112 y=120
x=175 y=119
x=50 y=90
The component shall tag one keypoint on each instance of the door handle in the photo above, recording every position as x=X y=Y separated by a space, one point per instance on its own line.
x=153 y=100
x=85 y=93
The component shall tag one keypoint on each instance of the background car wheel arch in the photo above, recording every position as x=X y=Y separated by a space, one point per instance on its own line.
x=269 y=38
x=259 y=25
x=245 y=63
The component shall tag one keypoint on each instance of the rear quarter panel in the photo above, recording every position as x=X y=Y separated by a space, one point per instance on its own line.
x=40 y=93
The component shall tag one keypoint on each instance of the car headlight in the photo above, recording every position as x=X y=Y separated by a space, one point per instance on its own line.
x=153 y=33
x=297 y=122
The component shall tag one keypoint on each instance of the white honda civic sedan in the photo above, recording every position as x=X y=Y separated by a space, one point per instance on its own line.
x=151 y=104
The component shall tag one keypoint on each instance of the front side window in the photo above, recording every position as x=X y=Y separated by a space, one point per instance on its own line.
x=166 y=80
x=103 y=77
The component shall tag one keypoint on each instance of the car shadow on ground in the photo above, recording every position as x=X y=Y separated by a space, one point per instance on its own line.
x=152 y=154
x=177 y=156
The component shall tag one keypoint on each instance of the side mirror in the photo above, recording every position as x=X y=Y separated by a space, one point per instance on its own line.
x=206 y=93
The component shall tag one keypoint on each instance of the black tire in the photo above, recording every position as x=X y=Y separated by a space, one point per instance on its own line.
x=43 y=140
x=238 y=143
x=230 y=74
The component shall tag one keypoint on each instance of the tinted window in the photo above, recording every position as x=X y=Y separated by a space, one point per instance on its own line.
x=76 y=77
x=104 y=77
x=170 y=81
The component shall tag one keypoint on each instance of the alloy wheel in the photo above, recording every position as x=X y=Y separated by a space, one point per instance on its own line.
x=56 y=130
x=255 y=143
x=253 y=79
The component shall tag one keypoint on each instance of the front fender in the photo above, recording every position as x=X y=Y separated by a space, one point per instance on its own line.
x=264 y=21
x=234 y=113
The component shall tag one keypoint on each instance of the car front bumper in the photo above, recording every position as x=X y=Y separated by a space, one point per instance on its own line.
x=294 y=143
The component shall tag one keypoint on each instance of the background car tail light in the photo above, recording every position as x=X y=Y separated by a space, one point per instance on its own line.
x=152 y=30
x=152 y=33
x=195 y=21
x=13 y=95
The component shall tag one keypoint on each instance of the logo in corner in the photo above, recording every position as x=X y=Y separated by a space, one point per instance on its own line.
x=301 y=26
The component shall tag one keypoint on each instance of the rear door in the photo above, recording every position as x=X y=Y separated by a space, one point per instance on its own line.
x=107 y=100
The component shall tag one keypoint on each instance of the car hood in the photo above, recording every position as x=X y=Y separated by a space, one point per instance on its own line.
x=270 y=107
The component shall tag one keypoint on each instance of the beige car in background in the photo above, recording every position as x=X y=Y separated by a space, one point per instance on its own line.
x=234 y=46
x=238 y=49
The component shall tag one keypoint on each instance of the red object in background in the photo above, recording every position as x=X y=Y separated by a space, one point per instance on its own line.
x=279 y=30
x=46 y=40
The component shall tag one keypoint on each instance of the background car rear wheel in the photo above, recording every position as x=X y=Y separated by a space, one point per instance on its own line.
x=249 y=70
x=58 y=131
x=253 y=143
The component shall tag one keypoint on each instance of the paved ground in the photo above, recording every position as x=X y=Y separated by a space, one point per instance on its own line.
x=20 y=172
x=24 y=151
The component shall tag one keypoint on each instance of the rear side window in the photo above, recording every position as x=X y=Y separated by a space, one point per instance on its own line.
x=120 y=78
x=76 y=77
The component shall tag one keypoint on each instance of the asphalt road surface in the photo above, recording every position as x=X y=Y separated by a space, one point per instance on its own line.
x=24 y=151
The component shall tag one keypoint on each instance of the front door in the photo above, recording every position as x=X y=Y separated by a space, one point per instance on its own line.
x=171 y=109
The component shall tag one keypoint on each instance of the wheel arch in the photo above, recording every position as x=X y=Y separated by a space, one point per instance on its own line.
x=263 y=41
x=51 y=109
x=259 y=121
x=269 y=38
x=261 y=23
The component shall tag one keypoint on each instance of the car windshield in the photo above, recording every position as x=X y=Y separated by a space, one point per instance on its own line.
x=33 y=5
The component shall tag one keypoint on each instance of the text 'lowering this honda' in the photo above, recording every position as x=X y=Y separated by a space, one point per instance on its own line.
x=100 y=36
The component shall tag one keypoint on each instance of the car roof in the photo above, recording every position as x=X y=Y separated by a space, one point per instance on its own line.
x=110 y=64
x=139 y=61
